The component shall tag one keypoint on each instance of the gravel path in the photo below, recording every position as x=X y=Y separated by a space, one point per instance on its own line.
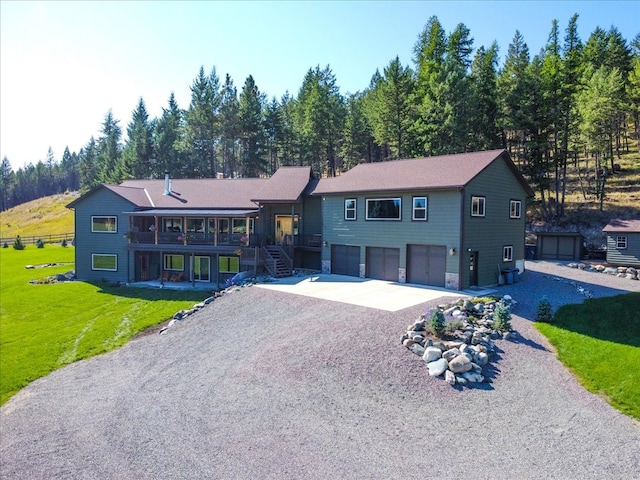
x=264 y=384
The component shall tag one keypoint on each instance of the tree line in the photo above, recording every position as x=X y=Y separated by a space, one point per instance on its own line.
x=573 y=106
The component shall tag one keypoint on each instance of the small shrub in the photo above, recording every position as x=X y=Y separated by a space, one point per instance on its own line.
x=63 y=243
x=452 y=326
x=544 y=312
x=437 y=322
x=40 y=243
x=5 y=245
x=502 y=318
x=17 y=244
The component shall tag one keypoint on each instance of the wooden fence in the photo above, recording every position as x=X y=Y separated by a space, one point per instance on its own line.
x=33 y=239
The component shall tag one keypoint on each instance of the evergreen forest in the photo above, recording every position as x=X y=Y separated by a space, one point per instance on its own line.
x=573 y=105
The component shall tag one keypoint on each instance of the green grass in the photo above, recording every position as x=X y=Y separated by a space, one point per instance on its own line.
x=44 y=327
x=599 y=341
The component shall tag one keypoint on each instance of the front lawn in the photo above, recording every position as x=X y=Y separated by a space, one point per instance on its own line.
x=44 y=327
x=599 y=341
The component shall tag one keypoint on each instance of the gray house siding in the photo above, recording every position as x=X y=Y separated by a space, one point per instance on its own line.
x=441 y=228
x=624 y=257
x=102 y=203
x=488 y=235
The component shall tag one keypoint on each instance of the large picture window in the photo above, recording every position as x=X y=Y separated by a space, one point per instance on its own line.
x=515 y=207
x=350 y=209
x=104 y=224
x=384 y=208
x=419 y=208
x=477 y=206
x=106 y=262
x=174 y=262
x=228 y=264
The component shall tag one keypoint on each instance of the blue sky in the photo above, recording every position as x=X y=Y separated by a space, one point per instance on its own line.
x=63 y=65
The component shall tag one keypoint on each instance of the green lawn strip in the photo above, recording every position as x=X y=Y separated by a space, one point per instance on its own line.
x=44 y=327
x=599 y=341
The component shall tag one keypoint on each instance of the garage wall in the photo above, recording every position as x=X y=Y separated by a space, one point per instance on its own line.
x=442 y=228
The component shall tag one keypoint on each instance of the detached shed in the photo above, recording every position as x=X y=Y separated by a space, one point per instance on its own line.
x=559 y=246
x=623 y=242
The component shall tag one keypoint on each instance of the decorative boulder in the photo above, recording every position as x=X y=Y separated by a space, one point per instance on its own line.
x=460 y=364
x=431 y=354
x=438 y=367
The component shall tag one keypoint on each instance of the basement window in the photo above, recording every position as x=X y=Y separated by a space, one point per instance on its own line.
x=105 y=262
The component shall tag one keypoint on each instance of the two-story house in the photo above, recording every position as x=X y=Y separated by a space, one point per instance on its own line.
x=452 y=221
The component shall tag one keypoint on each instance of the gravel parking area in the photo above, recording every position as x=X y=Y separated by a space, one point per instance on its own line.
x=263 y=384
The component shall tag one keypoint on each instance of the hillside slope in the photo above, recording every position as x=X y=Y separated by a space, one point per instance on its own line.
x=47 y=215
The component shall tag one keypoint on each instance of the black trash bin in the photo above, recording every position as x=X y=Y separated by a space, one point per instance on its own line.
x=530 y=252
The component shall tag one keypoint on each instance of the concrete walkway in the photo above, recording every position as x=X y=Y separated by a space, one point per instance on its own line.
x=365 y=292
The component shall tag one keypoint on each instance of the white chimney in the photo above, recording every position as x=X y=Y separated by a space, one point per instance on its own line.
x=167 y=184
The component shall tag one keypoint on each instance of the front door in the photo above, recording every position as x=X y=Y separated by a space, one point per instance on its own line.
x=201 y=269
x=473 y=269
x=286 y=227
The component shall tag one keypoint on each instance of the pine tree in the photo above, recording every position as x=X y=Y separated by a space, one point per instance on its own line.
x=484 y=109
x=167 y=156
x=109 y=151
x=138 y=151
x=89 y=167
x=389 y=108
x=229 y=127
x=251 y=129
x=7 y=180
x=357 y=135
x=201 y=129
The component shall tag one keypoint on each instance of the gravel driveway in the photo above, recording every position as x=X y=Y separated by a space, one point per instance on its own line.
x=263 y=384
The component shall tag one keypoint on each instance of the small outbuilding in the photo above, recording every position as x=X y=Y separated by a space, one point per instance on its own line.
x=623 y=242
x=559 y=246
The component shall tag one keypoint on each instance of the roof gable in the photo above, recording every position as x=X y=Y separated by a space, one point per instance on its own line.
x=136 y=196
x=286 y=185
x=428 y=173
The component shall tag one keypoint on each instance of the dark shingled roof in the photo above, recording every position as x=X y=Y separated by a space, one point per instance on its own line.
x=284 y=186
x=194 y=193
x=429 y=173
x=619 y=225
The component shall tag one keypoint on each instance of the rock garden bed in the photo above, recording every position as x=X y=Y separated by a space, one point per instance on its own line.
x=456 y=341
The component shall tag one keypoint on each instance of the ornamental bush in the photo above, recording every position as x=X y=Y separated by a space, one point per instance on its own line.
x=544 y=312
x=17 y=244
x=40 y=243
x=437 y=322
x=502 y=318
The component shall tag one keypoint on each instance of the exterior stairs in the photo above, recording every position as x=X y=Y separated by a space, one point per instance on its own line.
x=277 y=262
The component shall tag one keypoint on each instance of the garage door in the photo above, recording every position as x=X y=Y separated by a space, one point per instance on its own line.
x=558 y=247
x=345 y=260
x=426 y=264
x=383 y=263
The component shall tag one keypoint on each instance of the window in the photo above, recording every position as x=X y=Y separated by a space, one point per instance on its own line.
x=195 y=225
x=172 y=225
x=239 y=225
x=350 y=209
x=507 y=253
x=477 y=206
x=174 y=262
x=104 y=224
x=419 y=208
x=104 y=262
x=384 y=208
x=228 y=264
x=621 y=242
x=515 y=207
